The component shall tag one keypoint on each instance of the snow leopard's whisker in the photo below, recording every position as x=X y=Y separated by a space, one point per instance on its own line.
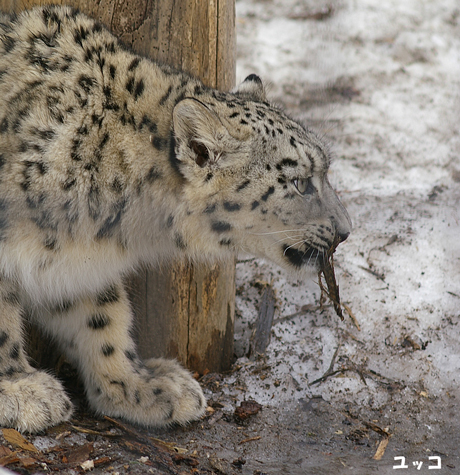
x=290 y=238
x=278 y=232
x=292 y=245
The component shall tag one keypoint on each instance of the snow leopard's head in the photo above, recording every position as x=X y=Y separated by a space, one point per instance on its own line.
x=256 y=178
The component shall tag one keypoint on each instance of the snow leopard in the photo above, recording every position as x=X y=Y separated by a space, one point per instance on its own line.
x=109 y=160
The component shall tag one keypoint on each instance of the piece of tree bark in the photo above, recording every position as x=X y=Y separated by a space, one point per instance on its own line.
x=184 y=311
x=261 y=337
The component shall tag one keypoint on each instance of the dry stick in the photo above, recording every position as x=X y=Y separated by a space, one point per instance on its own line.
x=329 y=371
x=250 y=439
x=93 y=432
x=454 y=295
x=130 y=430
x=157 y=443
x=332 y=287
x=303 y=309
x=361 y=373
x=376 y=428
x=352 y=316
x=376 y=274
x=329 y=276
x=165 y=462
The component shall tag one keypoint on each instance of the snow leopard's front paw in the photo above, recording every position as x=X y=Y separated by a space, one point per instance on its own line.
x=176 y=387
x=158 y=393
x=31 y=402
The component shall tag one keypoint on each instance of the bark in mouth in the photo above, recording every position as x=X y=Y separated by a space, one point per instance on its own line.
x=329 y=276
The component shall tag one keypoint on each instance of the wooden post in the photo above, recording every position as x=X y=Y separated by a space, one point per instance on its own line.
x=183 y=311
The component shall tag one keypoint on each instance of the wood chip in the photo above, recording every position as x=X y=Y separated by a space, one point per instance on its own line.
x=15 y=438
x=87 y=465
x=381 y=448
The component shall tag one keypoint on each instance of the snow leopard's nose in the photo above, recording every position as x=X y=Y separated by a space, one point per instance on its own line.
x=338 y=215
x=341 y=222
x=343 y=236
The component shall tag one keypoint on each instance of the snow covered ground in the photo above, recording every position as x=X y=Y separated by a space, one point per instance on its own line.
x=380 y=79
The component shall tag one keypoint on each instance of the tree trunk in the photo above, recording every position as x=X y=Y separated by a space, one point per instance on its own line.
x=184 y=311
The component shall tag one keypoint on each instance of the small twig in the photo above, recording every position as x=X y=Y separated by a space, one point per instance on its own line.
x=130 y=430
x=352 y=316
x=347 y=334
x=92 y=432
x=384 y=380
x=304 y=309
x=359 y=370
x=370 y=269
x=250 y=439
x=329 y=371
x=215 y=418
x=152 y=441
x=374 y=273
x=376 y=428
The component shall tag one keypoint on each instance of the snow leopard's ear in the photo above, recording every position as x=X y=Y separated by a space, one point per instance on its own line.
x=200 y=134
x=252 y=89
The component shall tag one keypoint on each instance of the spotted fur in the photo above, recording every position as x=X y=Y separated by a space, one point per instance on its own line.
x=108 y=160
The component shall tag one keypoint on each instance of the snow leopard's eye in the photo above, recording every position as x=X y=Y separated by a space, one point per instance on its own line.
x=304 y=186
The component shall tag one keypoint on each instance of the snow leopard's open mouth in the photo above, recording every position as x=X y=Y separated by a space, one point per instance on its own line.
x=310 y=256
